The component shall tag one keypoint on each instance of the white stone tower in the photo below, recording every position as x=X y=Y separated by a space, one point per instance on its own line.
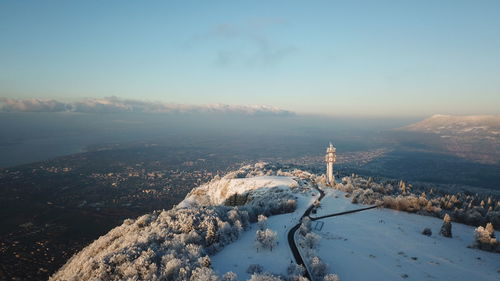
x=330 y=159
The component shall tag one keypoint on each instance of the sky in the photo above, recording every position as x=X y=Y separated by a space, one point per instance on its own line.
x=360 y=58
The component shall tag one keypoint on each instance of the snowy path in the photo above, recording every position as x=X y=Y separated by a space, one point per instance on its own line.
x=343 y=213
x=238 y=256
x=291 y=235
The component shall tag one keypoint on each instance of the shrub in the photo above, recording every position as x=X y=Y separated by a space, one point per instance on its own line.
x=427 y=231
x=254 y=268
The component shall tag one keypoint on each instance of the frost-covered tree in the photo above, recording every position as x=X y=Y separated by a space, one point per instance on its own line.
x=166 y=245
x=295 y=271
x=318 y=268
x=446 y=227
x=424 y=200
x=264 y=277
x=331 y=277
x=289 y=206
x=490 y=229
x=171 y=268
x=402 y=187
x=262 y=222
x=305 y=226
x=485 y=238
x=204 y=273
x=423 y=195
x=230 y=276
x=311 y=240
x=205 y=261
x=266 y=239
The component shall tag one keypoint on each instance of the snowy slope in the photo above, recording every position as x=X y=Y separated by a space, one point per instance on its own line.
x=241 y=254
x=202 y=239
x=382 y=244
x=216 y=192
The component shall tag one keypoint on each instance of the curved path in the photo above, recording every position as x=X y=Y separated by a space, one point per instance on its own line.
x=344 y=213
x=291 y=232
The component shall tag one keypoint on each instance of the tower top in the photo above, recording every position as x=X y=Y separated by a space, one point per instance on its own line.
x=330 y=148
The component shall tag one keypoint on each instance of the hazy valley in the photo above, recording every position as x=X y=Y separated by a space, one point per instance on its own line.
x=77 y=198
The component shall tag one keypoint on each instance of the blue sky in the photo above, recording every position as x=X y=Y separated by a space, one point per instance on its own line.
x=369 y=58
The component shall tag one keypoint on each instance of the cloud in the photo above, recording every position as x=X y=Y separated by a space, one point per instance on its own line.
x=116 y=105
x=249 y=44
x=31 y=105
x=262 y=54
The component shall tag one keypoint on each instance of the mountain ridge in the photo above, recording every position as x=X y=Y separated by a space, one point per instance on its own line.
x=472 y=137
x=459 y=123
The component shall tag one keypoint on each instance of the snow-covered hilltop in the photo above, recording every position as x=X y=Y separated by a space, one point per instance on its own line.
x=219 y=191
x=176 y=244
x=242 y=227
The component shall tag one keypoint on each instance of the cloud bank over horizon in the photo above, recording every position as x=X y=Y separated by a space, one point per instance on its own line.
x=115 y=104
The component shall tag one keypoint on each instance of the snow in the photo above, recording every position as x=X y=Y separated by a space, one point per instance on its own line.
x=334 y=202
x=216 y=192
x=376 y=244
x=382 y=244
x=239 y=255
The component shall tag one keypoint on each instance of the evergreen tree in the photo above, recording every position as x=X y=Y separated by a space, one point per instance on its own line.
x=446 y=227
